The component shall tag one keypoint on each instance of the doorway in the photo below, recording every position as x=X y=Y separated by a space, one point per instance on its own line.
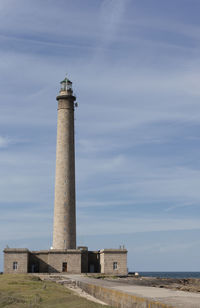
x=91 y=268
x=34 y=268
x=64 y=267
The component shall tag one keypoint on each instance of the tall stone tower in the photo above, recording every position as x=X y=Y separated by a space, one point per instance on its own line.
x=64 y=257
x=64 y=231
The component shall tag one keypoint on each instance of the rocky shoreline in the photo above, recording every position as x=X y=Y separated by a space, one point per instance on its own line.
x=187 y=284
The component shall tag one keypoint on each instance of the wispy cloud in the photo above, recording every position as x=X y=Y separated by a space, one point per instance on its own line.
x=112 y=16
x=136 y=76
x=110 y=19
x=4 y=142
x=133 y=225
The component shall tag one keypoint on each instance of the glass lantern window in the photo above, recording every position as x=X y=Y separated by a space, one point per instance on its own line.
x=69 y=86
x=63 y=86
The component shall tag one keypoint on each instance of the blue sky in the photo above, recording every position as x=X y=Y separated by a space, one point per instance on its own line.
x=135 y=68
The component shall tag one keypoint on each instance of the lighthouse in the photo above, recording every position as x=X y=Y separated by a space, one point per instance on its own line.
x=64 y=229
x=64 y=256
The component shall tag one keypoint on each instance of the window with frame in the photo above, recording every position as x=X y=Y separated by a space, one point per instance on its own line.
x=15 y=265
x=114 y=265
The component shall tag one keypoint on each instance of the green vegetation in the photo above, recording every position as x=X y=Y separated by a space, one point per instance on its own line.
x=29 y=291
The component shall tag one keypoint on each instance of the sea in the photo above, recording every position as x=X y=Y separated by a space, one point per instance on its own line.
x=178 y=275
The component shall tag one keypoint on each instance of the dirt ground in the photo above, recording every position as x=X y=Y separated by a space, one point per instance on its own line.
x=189 y=284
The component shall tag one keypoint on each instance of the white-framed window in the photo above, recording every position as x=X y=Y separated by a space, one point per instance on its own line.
x=114 y=265
x=15 y=265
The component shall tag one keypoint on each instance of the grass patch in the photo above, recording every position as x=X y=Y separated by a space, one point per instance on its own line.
x=20 y=291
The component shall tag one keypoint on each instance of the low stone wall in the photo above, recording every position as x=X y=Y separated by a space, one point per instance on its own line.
x=117 y=298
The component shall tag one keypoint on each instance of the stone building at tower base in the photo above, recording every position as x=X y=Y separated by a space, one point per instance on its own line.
x=72 y=261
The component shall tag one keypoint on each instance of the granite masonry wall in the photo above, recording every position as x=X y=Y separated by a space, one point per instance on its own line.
x=110 y=256
x=19 y=256
x=72 y=257
x=119 y=299
x=74 y=261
